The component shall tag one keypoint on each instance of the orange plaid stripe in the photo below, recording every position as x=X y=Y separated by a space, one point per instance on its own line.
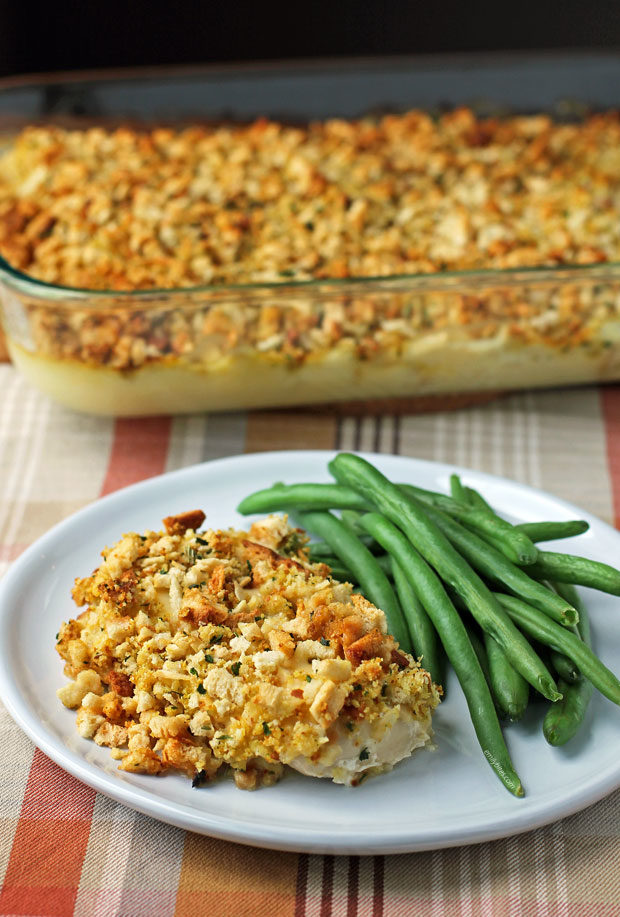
x=49 y=845
x=610 y=400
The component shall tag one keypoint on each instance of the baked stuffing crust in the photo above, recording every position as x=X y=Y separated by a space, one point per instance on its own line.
x=128 y=210
x=226 y=647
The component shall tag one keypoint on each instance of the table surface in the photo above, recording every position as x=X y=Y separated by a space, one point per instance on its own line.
x=66 y=850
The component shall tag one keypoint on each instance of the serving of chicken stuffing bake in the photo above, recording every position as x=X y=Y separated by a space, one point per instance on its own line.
x=198 y=649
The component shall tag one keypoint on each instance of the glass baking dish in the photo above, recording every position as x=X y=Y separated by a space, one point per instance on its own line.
x=220 y=348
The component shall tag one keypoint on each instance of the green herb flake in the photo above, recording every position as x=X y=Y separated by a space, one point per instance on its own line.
x=216 y=639
x=208 y=657
x=202 y=689
x=266 y=729
x=384 y=690
x=195 y=586
x=308 y=677
x=292 y=543
x=324 y=641
x=193 y=671
x=364 y=754
x=235 y=668
x=349 y=726
x=222 y=738
x=357 y=687
x=201 y=540
x=192 y=554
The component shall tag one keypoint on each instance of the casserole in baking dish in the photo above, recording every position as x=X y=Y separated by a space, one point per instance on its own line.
x=245 y=262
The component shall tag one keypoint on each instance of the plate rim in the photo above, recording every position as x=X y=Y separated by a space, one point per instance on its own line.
x=282 y=836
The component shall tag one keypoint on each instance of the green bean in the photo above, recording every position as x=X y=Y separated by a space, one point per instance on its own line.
x=476 y=499
x=457 y=490
x=382 y=559
x=301 y=496
x=535 y=531
x=568 y=568
x=432 y=544
x=319 y=550
x=559 y=638
x=564 y=718
x=351 y=518
x=480 y=652
x=363 y=565
x=509 y=688
x=457 y=645
x=516 y=546
x=423 y=634
x=484 y=558
x=563 y=666
x=550 y=531
x=340 y=572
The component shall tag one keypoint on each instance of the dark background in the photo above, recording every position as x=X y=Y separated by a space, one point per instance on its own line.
x=79 y=35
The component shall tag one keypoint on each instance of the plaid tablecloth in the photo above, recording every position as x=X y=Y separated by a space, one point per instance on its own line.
x=66 y=850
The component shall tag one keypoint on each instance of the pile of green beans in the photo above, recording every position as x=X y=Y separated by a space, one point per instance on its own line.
x=457 y=581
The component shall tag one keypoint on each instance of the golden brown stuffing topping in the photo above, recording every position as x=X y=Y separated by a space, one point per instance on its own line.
x=265 y=201
x=226 y=651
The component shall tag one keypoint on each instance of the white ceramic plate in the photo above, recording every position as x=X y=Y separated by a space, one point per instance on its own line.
x=435 y=799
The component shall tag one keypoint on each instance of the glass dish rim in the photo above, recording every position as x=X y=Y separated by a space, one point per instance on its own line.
x=13 y=277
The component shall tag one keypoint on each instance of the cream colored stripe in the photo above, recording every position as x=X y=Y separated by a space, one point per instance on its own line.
x=105 y=863
x=386 y=442
x=15 y=759
x=10 y=387
x=573 y=449
x=186 y=441
x=461 y=438
x=154 y=864
x=497 y=441
x=27 y=474
x=367 y=434
x=314 y=886
x=437 y=881
x=465 y=880
x=347 y=434
x=441 y=438
x=517 y=441
x=486 y=883
x=16 y=458
x=340 y=888
x=7 y=423
x=366 y=887
x=476 y=438
x=533 y=435
x=559 y=859
x=514 y=882
x=540 y=838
